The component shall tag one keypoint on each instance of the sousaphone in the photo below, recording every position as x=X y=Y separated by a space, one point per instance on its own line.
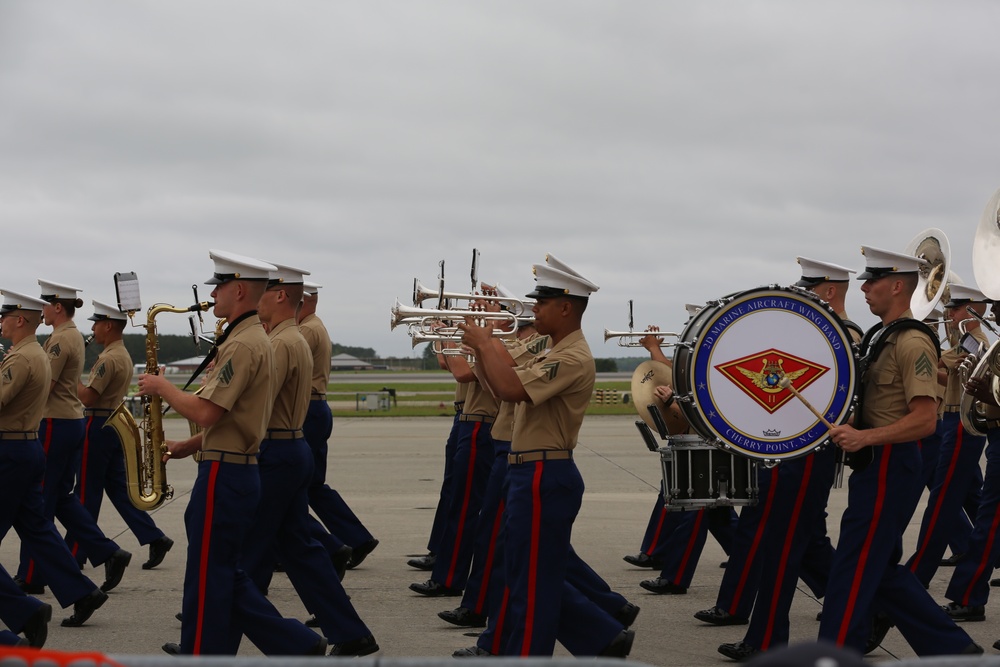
x=930 y=245
x=986 y=249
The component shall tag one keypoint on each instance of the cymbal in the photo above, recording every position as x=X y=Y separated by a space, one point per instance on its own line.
x=647 y=377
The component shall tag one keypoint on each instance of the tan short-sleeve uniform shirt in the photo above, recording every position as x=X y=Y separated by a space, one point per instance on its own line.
x=906 y=369
x=240 y=382
x=65 y=349
x=560 y=383
x=951 y=358
x=321 y=350
x=111 y=376
x=25 y=376
x=503 y=426
x=293 y=374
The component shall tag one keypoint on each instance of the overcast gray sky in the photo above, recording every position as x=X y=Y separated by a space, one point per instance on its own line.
x=672 y=152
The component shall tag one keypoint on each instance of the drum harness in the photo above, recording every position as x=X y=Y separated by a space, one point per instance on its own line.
x=870 y=348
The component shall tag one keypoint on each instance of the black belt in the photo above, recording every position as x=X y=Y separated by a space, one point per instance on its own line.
x=281 y=434
x=226 y=457
x=96 y=412
x=18 y=435
x=539 y=455
x=487 y=419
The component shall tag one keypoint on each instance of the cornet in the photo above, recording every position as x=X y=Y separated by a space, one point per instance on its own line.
x=519 y=307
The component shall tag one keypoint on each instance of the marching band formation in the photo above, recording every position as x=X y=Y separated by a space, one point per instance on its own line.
x=768 y=395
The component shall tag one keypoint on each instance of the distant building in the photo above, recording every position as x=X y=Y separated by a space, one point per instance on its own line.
x=345 y=362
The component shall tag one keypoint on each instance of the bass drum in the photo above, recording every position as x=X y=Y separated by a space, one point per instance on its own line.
x=733 y=355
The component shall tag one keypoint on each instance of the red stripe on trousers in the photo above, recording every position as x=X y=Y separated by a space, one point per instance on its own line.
x=488 y=567
x=659 y=527
x=936 y=510
x=756 y=541
x=984 y=560
x=536 y=529
x=495 y=648
x=690 y=547
x=859 y=570
x=206 y=543
x=783 y=562
x=450 y=578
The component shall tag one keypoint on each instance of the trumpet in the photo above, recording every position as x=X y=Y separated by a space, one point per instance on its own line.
x=631 y=338
x=410 y=315
x=421 y=293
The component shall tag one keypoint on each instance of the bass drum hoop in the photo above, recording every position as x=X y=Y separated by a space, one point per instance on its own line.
x=692 y=364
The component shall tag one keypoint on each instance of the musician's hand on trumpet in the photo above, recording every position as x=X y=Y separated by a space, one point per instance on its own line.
x=654 y=345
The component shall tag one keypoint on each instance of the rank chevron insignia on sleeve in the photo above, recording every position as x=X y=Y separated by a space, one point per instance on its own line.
x=100 y=371
x=7 y=375
x=537 y=345
x=923 y=366
x=226 y=373
x=55 y=350
x=551 y=369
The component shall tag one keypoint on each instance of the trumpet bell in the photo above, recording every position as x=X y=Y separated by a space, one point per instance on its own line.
x=931 y=245
x=986 y=249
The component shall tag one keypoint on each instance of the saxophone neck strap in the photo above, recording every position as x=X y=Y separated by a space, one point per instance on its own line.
x=215 y=348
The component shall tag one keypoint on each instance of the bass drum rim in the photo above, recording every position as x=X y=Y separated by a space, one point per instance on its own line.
x=687 y=355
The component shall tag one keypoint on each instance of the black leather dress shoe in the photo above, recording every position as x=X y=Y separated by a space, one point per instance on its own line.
x=171 y=648
x=36 y=628
x=880 y=628
x=476 y=652
x=462 y=617
x=738 y=651
x=361 y=552
x=355 y=648
x=952 y=560
x=425 y=563
x=961 y=612
x=319 y=648
x=179 y=616
x=158 y=549
x=719 y=616
x=627 y=614
x=341 y=560
x=644 y=560
x=30 y=589
x=972 y=649
x=995 y=582
x=433 y=589
x=312 y=622
x=85 y=607
x=620 y=646
x=663 y=587
x=114 y=569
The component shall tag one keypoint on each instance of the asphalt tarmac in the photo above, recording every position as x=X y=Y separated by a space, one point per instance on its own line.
x=389 y=471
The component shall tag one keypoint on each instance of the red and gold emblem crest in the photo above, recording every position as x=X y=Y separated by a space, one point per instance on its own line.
x=759 y=376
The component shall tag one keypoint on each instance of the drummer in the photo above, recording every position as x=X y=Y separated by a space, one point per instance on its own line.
x=673 y=541
x=883 y=494
x=794 y=523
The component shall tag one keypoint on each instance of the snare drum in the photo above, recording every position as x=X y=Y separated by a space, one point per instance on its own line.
x=698 y=475
x=732 y=356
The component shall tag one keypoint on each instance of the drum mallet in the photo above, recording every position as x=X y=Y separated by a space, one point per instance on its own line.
x=839 y=476
x=787 y=384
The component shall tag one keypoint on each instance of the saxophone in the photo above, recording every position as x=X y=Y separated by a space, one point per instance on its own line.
x=145 y=469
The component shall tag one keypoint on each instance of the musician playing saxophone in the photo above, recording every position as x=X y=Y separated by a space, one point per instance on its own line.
x=102 y=465
x=220 y=602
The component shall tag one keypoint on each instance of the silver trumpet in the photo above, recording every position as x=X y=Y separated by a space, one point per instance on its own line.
x=631 y=338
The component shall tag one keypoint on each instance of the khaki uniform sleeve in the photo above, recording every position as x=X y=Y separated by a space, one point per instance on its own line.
x=229 y=377
x=549 y=377
x=13 y=375
x=917 y=360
